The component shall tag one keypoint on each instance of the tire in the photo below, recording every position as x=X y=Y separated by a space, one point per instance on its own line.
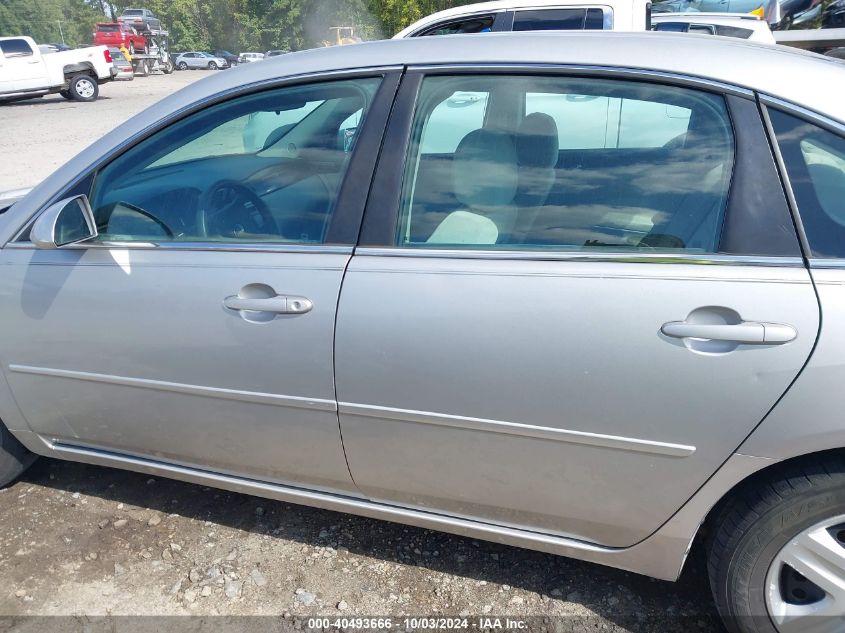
x=14 y=457
x=65 y=94
x=760 y=533
x=168 y=67
x=183 y=66
x=144 y=68
x=131 y=48
x=83 y=88
x=212 y=66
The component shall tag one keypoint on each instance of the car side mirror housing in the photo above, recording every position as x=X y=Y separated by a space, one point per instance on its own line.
x=68 y=221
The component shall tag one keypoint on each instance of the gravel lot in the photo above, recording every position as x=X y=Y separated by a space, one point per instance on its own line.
x=42 y=134
x=83 y=541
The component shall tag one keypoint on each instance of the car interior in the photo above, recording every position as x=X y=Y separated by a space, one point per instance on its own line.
x=262 y=168
x=563 y=163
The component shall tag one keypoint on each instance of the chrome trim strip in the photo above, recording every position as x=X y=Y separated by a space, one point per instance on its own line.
x=827 y=263
x=317 y=404
x=328 y=501
x=594 y=71
x=570 y=256
x=833 y=125
x=220 y=247
x=516 y=429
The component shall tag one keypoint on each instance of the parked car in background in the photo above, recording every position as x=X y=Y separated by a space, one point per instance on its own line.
x=198 y=59
x=246 y=58
x=275 y=53
x=230 y=58
x=117 y=34
x=26 y=72
x=778 y=13
x=743 y=26
x=833 y=15
x=125 y=71
x=142 y=20
x=602 y=205
x=533 y=15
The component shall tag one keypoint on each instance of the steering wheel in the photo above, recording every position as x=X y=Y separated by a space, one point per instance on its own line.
x=230 y=209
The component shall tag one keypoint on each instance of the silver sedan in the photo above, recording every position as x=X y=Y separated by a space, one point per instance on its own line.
x=556 y=291
x=199 y=60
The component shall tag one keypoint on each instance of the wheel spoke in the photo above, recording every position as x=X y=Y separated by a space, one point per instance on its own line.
x=817 y=556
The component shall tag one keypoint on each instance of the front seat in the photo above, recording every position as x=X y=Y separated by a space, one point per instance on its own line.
x=537 y=150
x=485 y=179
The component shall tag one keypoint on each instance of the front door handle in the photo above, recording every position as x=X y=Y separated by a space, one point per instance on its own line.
x=745 y=332
x=280 y=304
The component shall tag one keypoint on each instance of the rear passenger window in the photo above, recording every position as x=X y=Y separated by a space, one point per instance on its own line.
x=576 y=19
x=815 y=164
x=566 y=164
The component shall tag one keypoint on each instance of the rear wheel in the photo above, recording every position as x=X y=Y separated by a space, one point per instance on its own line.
x=131 y=48
x=83 y=88
x=14 y=457
x=168 y=67
x=183 y=66
x=777 y=556
x=212 y=66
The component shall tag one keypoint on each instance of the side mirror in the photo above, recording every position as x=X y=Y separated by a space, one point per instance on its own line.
x=68 y=221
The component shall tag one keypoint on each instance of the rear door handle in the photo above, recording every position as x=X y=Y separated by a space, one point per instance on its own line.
x=280 y=304
x=746 y=332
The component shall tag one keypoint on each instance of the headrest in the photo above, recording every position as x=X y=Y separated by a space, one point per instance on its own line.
x=484 y=170
x=537 y=141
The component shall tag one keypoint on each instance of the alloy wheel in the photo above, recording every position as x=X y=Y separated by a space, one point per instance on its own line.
x=85 y=88
x=805 y=584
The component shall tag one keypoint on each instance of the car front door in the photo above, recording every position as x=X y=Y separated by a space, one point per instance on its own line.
x=198 y=327
x=21 y=67
x=567 y=319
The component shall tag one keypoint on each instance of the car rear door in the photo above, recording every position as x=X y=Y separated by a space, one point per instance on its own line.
x=197 y=328
x=573 y=325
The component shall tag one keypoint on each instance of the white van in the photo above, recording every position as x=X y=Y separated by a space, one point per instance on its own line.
x=534 y=15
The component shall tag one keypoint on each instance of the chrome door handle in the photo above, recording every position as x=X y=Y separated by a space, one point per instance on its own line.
x=746 y=332
x=279 y=304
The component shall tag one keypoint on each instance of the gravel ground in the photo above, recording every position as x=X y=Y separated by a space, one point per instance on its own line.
x=83 y=541
x=42 y=134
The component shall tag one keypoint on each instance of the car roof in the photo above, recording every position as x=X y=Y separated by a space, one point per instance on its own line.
x=786 y=73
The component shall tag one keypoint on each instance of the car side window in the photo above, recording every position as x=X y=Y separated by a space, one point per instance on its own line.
x=815 y=163
x=266 y=167
x=15 y=48
x=474 y=24
x=574 y=19
x=579 y=164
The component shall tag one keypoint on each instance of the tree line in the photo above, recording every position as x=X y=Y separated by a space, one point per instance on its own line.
x=235 y=25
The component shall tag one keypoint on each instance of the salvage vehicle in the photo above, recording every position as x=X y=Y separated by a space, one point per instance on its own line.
x=26 y=72
x=534 y=15
x=117 y=34
x=143 y=20
x=550 y=290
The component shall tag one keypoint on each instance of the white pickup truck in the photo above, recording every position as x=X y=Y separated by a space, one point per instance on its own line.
x=26 y=72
